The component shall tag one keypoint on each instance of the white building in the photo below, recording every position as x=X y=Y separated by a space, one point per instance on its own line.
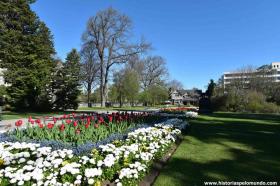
x=270 y=72
x=185 y=97
x=2 y=80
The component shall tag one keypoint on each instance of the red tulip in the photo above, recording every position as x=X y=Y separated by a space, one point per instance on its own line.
x=75 y=123
x=62 y=127
x=50 y=125
x=87 y=125
x=41 y=125
x=100 y=120
x=88 y=119
x=68 y=121
x=110 y=118
x=38 y=121
x=96 y=125
x=18 y=123
x=30 y=120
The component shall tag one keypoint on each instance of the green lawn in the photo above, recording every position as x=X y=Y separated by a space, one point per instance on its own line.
x=228 y=147
x=115 y=108
x=19 y=115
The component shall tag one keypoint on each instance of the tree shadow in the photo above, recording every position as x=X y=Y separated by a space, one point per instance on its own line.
x=251 y=147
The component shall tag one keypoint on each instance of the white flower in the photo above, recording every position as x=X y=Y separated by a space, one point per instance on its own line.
x=21 y=160
x=79 y=177
x=20 y=182
x=77 y=182
x=92 y=172
x=99 y=163
x=90 y=181
x=92 y=161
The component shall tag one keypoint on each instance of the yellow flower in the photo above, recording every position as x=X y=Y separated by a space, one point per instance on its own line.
x=1 y=161
x=94 y=151
x=98 y=183
x=126 y=161
x=65 y=163
x=116 y=142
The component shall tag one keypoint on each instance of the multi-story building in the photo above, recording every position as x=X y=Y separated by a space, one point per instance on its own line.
x=268 y=72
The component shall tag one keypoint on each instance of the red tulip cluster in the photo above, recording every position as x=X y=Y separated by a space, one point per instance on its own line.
x=71 y=126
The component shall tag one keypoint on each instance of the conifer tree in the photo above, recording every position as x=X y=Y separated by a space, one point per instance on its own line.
x=26 y=50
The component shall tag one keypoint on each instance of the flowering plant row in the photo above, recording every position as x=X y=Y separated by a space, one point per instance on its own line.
x=178 y=110
x=80 y=129
x=123 y=162
x=191 y=114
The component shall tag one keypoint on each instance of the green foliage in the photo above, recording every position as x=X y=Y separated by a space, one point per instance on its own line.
x=154 y=95
x=243 y=101
x=126 y=87
x=131 y=86
x=66 y=83
x=26 y=47
x=210 y=88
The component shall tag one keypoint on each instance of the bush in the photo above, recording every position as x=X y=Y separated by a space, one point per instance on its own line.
x=244 y=101
x=270 y=108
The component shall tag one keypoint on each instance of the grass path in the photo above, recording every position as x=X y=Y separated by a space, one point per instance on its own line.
x=228 y=147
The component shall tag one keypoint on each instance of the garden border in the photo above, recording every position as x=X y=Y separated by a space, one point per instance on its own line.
x=158 y=165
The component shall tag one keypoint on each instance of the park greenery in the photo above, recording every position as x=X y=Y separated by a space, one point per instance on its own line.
x=259 y=95
x=226 y=146
x=108 y=67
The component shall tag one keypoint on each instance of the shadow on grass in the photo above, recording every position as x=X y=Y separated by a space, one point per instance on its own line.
x=228 y=147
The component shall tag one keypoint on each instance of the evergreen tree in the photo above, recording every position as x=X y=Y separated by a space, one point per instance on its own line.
x=26 y=50
x=210 y=89
x=67 y=83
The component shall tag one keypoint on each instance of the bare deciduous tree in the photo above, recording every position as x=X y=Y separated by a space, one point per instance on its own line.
x=175 y=85
x=108 y=32
x=89 y=69
x=154 y=71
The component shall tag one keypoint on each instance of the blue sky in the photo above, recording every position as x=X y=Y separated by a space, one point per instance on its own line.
x=200 y=39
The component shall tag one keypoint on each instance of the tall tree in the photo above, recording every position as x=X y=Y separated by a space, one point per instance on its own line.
x=175 y=85
x=108 y=32
x=210 y=88
x=26 y=50
x=89 y=69
x=153 y=95
x=131 y=85
x=68 y=83
x=154 y=71
x=126 y=86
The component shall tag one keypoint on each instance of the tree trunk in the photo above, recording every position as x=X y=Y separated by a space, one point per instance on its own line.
x=102 y=82
x=88 y=95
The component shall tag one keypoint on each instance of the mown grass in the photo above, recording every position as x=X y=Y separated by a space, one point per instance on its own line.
x=19 y=115
x=115 y=108
x=226 y=147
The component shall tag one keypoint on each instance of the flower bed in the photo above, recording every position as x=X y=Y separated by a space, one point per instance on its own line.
x=178 y=110
x=123 y=162
x=80 y=129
